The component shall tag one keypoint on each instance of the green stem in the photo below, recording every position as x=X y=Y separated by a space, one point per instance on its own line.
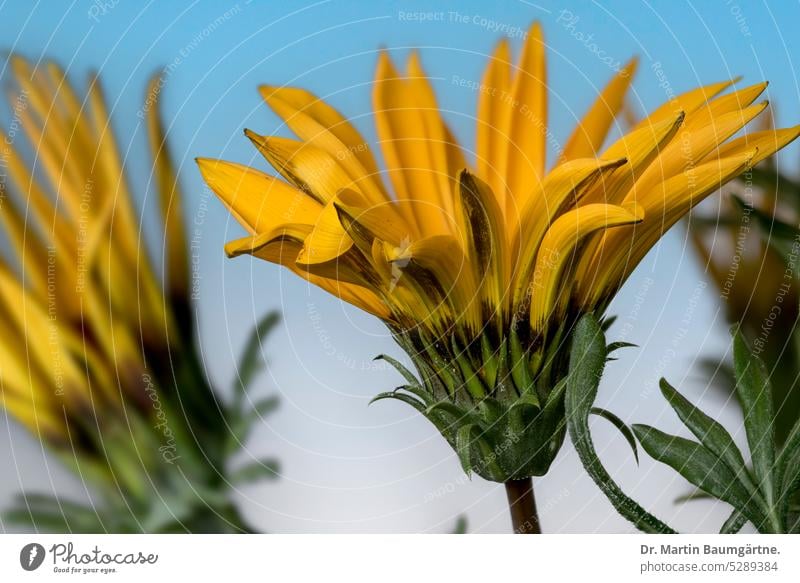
x=522 y=505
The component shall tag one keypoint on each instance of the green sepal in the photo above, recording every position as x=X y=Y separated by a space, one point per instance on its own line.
x=410 y=377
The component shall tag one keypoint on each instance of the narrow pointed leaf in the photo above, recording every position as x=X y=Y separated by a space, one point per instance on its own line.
x=755 y=398
x=251 y=362
x=734 y=523
x=710 y=433
x=620 y=425
x=699 y=466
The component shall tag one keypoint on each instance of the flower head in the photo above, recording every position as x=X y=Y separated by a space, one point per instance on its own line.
x=98 y=355
x=480 y=267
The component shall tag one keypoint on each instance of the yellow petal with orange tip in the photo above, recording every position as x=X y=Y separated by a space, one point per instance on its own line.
x=527 y=146
x=558 y=251
x=588 y=137
x=258 y=201
x=492 y=123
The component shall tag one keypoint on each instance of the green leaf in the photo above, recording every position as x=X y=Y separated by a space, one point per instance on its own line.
x=586 y=364
x=699 y=466
x=620 y=425
x=242 y=423
x=691 y=496
x=56 y=515
x=401 y=368
x=607 y=322
x=251 y=361
x=268 y=469
x=408 y=399
x=461 y=525
x=419 y=392
x=734 y=523
x=755 y=398
x=617 y=345
x=710 y=433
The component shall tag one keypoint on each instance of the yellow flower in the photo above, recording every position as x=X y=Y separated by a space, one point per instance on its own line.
x=83 y=284
x=98 y=356
x=480 y=267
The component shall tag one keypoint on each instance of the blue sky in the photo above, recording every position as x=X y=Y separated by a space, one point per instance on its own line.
x=349 y=467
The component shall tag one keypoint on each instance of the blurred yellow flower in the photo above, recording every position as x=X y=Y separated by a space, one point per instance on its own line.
x=98 y=354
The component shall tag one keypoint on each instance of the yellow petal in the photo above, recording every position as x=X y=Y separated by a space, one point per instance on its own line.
x=735 y=101
x=169 y=195
x=309 y=168
x=441 y=278
x=588 y=137
x=318 y=124
x=492 y=125
x=620 y=251
x=282 y=247
x=364 y=222
x=312 y=118
x=640 y=149
x=527 y=148
x=443 y=153
x=690 y=148
x=685 y=102
x=328 y=240
x=258 y=201
x=561 y=189
x=414 y=170
x=766 y=142
x=557 y=252
x=484 y=240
